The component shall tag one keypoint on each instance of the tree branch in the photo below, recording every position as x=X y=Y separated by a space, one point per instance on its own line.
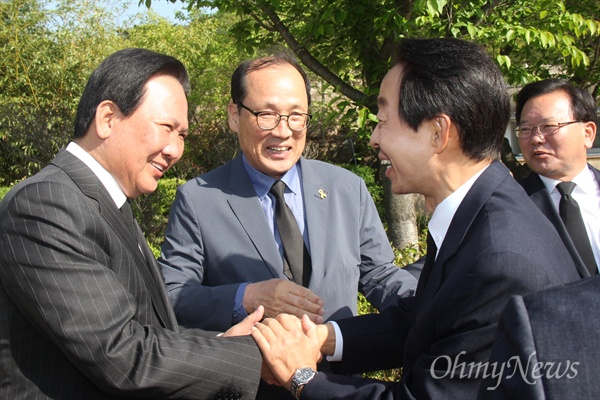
x=312 y=63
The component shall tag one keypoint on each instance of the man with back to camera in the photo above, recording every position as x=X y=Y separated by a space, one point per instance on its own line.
x=556 y=125
x=84 y=313
x=443 y=111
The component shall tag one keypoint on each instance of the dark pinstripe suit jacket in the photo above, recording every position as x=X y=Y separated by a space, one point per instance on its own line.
x=84 y=316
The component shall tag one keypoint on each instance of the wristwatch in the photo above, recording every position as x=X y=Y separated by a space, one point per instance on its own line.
x=301 y=377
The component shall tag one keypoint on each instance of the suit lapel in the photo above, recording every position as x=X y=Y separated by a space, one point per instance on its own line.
x=540 y=196
x=537 y=192
x=466 y=213
x=246 y=208
x=317 y=198
x=91 y=186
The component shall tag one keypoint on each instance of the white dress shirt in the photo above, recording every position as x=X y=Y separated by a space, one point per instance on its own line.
x=587 y=195
x=438 y=227
x=109 y=182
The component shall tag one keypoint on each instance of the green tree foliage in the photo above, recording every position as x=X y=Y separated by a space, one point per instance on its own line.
x=349 y=42
x=43 y=68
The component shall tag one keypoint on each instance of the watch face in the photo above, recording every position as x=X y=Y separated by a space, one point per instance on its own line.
x=303 y=375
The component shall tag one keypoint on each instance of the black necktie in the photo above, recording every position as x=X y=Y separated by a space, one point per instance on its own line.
x=128 y=216
x=428 y=266
x=571 y=216
x=296 y=257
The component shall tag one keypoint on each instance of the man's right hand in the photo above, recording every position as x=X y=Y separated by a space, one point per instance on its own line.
x=282 y=296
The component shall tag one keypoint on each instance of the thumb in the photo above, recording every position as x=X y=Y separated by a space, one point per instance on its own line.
x=257 y=315
x=309 y=327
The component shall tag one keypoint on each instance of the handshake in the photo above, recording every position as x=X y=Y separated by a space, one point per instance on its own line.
x=288 y=344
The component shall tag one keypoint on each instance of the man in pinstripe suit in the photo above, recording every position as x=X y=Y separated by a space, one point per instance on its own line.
x=83 y=308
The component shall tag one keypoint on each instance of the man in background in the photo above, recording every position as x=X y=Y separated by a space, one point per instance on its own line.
x=556 y=125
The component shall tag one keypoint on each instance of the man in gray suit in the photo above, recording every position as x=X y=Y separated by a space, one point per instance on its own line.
x=223 y=254
x=557 y=124
x=83 y=309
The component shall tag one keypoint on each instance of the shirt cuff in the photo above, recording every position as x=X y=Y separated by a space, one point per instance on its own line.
x=339 y=344
x=239 y=312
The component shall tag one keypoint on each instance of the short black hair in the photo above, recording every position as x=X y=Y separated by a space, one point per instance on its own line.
x=583 y=105
x=121 y=78
x=457 y=78
x=239 y=88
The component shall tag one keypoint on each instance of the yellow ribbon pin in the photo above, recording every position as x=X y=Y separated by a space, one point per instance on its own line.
x=322 y=193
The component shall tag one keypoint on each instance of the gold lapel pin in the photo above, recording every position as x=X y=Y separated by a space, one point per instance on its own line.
x=322 y=193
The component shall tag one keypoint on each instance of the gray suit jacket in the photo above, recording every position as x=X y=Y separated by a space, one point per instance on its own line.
x=83 y=315
x=218 y=237
x=546 y=346
x=540 y=196
x=497 y=245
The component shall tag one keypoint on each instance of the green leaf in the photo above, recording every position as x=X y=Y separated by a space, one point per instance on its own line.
x=472 y=30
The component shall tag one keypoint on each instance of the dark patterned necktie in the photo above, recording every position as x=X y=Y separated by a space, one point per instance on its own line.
x=128 y=216
x=296 y=260
x=571 y=216
x=428 y=265
x=130 y=221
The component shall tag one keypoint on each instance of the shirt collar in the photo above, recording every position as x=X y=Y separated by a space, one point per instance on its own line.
x=444 y=213
x=262 y=183
x=109 y=182
x=584 y=180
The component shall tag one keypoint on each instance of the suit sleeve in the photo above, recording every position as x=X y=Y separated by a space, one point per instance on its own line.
x=60 y=265
x=371 y=342
x=182 y=258
x=381 y=281
x=514 y=353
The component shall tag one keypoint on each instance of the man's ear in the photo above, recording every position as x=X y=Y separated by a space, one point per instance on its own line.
x=233 y=116
x=107 y=114
x=590 y=134
x=440 y=132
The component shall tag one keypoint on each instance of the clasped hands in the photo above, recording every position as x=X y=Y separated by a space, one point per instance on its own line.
x=286 y=341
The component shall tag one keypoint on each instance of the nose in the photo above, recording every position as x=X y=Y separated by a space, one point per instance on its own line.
x=374 y=140
x=537 y=136
x=282 y=130
x=174 y=148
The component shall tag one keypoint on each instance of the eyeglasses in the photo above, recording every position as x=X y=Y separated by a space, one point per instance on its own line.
x=545 y=128
x=268 y=120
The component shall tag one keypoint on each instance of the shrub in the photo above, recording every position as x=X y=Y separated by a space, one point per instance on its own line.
x=3 y=191
x=152 y=211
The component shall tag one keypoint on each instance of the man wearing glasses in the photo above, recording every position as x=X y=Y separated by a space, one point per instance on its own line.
x=556 y=125
x=227 y=250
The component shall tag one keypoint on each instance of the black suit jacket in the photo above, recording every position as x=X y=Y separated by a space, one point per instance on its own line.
x=547 y=345
x=540 y=196
x=83 y=315
x=498 y=245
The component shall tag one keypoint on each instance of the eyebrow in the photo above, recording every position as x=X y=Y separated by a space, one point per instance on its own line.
x=176 y=124
x=381 y=101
